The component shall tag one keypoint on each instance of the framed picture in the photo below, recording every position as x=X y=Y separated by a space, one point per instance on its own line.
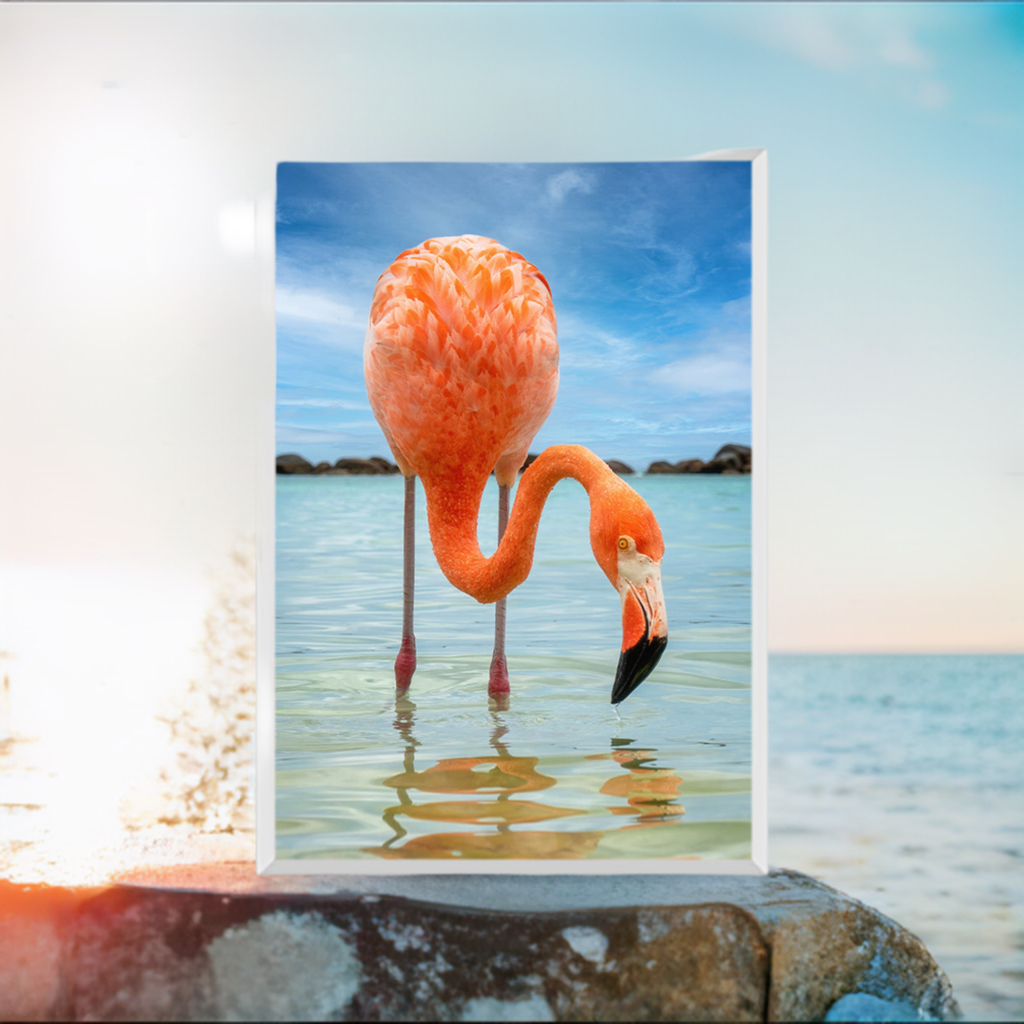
x=585 y=344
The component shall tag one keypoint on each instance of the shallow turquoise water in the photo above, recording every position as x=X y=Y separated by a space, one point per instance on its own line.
x=444 y=772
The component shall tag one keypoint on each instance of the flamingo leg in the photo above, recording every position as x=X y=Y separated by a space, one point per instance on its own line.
x=405 y=663
x=499 y=684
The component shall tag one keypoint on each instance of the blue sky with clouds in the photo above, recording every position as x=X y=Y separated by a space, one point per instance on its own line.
x=649 y=265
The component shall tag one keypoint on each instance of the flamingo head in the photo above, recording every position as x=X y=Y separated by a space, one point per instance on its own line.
x=628 y=545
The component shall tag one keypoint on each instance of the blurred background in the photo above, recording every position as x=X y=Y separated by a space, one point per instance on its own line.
x=137 y=363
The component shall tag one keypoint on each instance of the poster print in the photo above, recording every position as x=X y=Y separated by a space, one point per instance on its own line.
x=582 y=694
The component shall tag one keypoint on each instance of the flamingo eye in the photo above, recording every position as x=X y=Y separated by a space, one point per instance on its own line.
x=623 y=543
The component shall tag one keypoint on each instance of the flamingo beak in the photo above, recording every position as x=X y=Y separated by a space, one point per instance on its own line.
x=644 y=625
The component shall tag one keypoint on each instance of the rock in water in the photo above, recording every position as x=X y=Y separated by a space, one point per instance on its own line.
x=730 y=458
x=360 y=467
x=684 y=466
x=294 y=464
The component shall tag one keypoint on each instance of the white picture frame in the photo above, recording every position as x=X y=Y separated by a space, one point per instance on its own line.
x=269 y=860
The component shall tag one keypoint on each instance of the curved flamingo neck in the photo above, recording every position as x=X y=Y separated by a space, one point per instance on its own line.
x=453 y=509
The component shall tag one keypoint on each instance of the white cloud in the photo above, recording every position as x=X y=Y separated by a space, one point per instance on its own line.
x=321 y=403
x=818 y=42
x=313 y=306
x=296 y=435
x=931 y=94
x=810 y=34
x=561 y=184
x=900 y=50
x=838 y=37
x=676 y=269
x=735 y=313
x=844 y=38
x=725 y=370
x=584 y=346
x=739 y=427
x=657 y=428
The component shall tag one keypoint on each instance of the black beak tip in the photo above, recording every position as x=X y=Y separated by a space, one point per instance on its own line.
x=636 y=663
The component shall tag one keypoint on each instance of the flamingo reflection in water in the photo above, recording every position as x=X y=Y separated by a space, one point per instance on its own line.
x=499 y=781
x=649 y=792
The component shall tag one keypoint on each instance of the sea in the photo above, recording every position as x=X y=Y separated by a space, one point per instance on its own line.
x=554 y=772
x=899 y=779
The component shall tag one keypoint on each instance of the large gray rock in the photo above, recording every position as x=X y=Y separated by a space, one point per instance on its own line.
x=826 y=946
x=187 y=956
x=216 y=942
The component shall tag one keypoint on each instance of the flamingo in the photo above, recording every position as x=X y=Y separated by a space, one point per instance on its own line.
x=461 y=365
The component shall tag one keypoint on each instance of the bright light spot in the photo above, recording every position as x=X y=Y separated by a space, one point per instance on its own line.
x=96 y=650
x=236 y=225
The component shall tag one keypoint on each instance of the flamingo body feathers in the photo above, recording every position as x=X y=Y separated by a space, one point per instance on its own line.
x=461 y=360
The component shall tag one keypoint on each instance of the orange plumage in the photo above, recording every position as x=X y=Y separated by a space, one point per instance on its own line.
x=461 y=358
x=461 y=363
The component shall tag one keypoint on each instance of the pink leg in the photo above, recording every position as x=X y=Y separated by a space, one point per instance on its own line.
x=499 y=685
x=405 y=663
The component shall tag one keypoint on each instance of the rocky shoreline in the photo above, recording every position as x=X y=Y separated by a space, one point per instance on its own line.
x=730 y=460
